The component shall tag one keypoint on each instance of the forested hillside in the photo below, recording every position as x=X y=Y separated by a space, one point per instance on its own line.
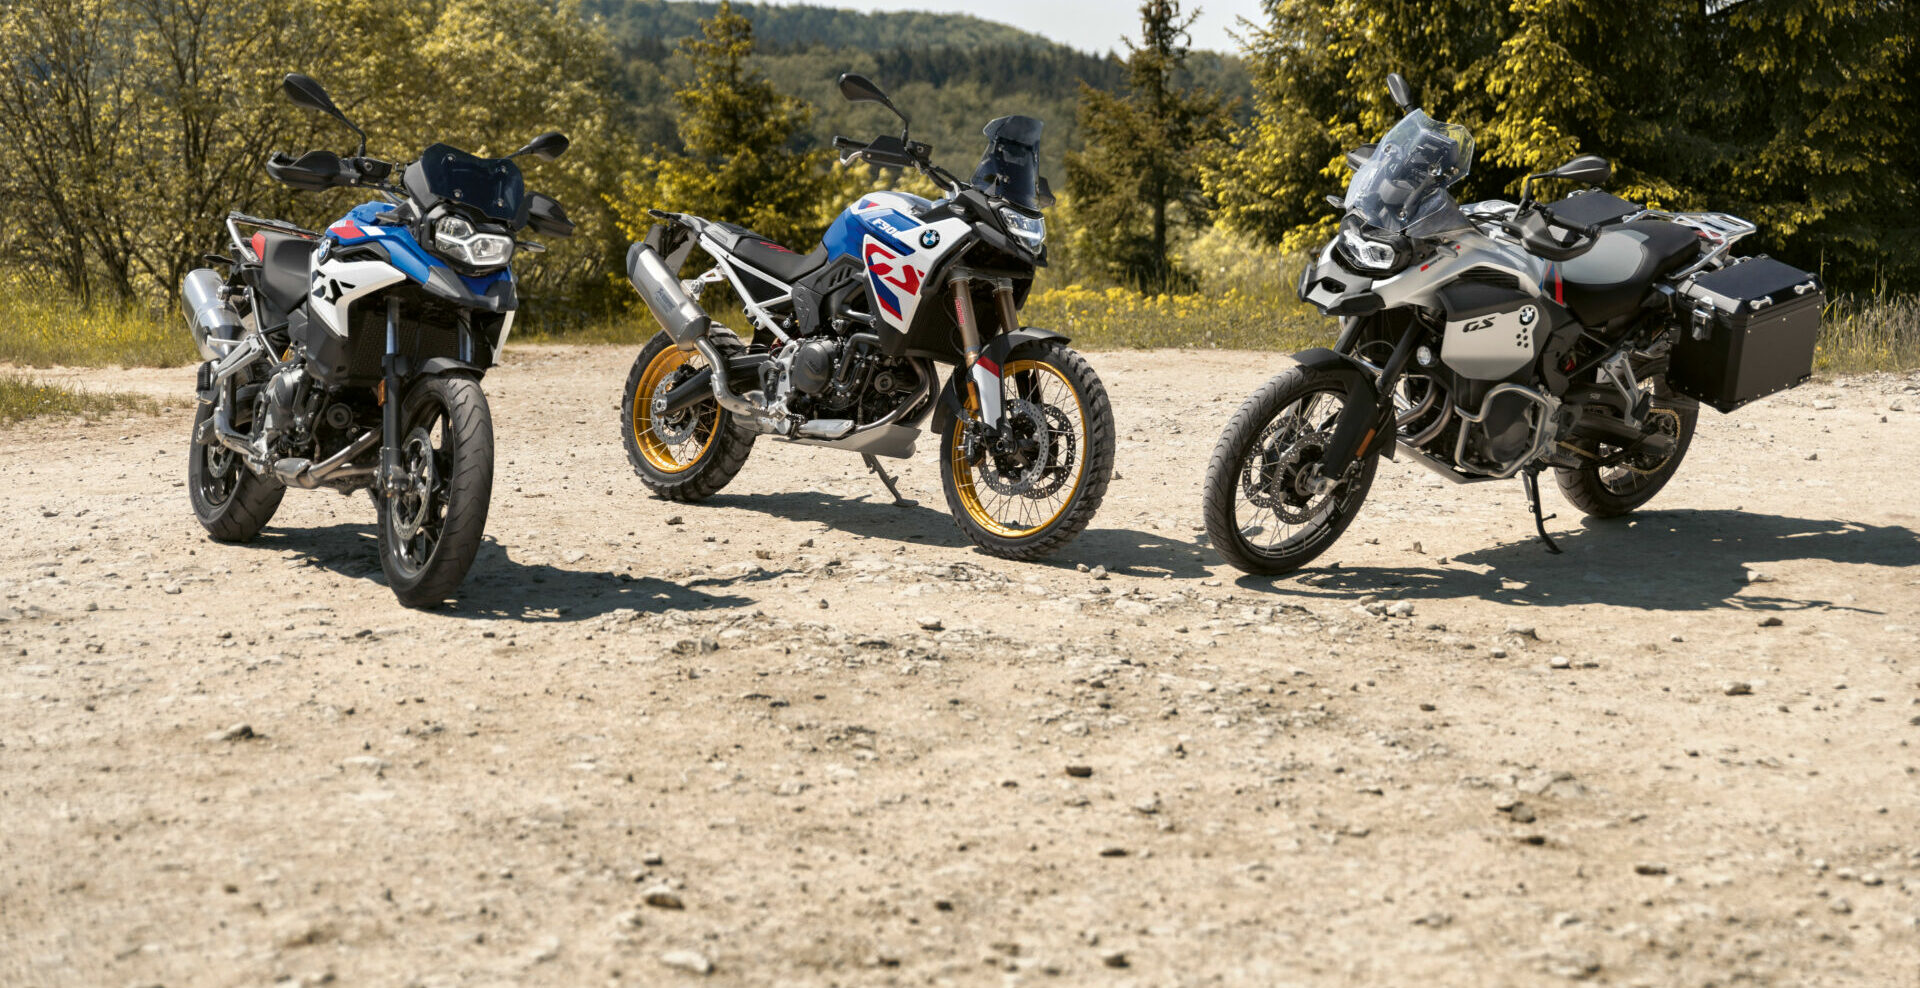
x=950 y=72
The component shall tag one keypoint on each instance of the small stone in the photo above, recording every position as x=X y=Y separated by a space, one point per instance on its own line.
x=676 y=520
x=1840 y=905
x=1649 y=868
x=366 y=762
x=235 y=732
x=1114 y=958
x=1400 y=609
x=687 y=960
x=1434 y=920
x=1098 y=572
x=662 y=897
x=1755 y=576
x=573 y=556
x=932 y=624
x=1523 y=630
x=1149 y=806
x=1676 y=638
x=1813 y=456
x=1737 y=688
x=629 y=920
x=1522 y=813
x=1497 y=652
x=1824 y=406
x=1113 y=852
x=1560 y=662
x=806 y=544
x=1080 y=771
x=653 y=858
x=1771 y=622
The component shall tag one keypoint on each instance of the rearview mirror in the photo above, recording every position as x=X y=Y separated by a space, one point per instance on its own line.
x=1590 y=168
x=1361 y=155
x=860 y=89
x=1402 y=96
x=546 y=147
x=303 y=90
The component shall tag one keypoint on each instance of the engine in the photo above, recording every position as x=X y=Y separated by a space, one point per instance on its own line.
x=833 y=377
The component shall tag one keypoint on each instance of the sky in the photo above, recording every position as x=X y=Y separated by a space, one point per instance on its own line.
x=1089 y=25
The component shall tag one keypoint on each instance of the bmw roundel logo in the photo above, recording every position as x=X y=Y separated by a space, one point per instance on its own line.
x=1528 y=314
x=930 y=239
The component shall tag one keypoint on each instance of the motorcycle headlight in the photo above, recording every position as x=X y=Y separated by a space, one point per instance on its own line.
x=1031 y=231
x=1365 y=254
x=456 y=237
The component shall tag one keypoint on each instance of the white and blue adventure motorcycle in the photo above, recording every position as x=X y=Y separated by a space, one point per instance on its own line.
x=351 y=358
x=847 y=339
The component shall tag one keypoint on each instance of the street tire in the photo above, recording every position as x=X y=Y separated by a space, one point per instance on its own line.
x=231 y=502
x=427 y=545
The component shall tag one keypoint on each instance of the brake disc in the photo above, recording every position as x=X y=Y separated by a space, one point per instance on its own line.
x=414 y=502
x=1028 y=423
x=1059 y=464
x=1668 y=424
x=1286 y=482
x=672 y=430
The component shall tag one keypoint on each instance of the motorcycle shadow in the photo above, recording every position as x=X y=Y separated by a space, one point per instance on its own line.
x=1120 y=550
x=1657 y=560
x=502 y=588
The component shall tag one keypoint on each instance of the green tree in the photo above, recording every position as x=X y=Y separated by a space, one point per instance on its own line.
x=1137 y=186
x=740 y=164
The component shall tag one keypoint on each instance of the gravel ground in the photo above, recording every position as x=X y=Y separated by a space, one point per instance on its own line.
x=803 y=736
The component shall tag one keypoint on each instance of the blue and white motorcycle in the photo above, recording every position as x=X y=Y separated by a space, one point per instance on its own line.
x=351 y=358
x=847 y=338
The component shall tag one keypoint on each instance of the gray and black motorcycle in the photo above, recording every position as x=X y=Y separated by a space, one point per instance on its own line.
x=1498 y=339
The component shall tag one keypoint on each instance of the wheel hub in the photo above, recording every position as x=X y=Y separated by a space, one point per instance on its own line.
x=673 y=429
x=413 y=500
x=1286 y=479
x=1018 y=455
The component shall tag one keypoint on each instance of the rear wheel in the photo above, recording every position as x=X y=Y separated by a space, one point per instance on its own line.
x=431 y=523
x=687 y=455
x=1026 y=494
x=231 y=502
x=1267 y=508
x=1614 y=481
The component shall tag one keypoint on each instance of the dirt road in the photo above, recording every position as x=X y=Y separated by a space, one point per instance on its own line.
x=807 y=737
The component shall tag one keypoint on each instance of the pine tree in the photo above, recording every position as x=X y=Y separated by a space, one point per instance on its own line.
x=739 y=134
x=1136 y=186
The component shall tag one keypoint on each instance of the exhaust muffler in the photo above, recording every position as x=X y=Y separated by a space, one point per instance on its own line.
x=210 y=319
x=678 y=313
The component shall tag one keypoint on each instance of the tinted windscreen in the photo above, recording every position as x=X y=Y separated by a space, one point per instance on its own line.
x=1011 y=166
x=491 y=185
x=1409 y=173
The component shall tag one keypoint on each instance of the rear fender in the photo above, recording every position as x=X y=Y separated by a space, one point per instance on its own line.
x=986 y=375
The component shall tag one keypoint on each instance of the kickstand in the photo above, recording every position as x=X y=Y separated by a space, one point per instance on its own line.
x=887 y=479
x=1532 y=481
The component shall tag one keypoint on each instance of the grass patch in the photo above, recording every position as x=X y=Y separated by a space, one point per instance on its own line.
x=46 y=328
x=24 y=397
x=1877 y=333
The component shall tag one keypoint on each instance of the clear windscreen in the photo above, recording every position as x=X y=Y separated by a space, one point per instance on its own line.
x=1409 y=174
x=1011 y=167
x=491 y=185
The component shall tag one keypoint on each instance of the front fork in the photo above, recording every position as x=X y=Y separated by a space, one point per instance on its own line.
x=390 y=402
x=1367 y=420
x=985 y=402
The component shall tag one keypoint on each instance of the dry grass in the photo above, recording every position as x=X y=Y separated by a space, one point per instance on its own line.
x=45 y=328
x=23 y=397
x=1880 y=333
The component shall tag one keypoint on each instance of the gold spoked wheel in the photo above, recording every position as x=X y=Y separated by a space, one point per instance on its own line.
x=1020 y=488
x=672 y=443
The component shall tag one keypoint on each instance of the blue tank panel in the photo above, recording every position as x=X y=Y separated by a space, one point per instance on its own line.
x=403 y=252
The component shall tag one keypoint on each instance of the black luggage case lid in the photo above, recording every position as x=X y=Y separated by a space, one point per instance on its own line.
x=1751 y=286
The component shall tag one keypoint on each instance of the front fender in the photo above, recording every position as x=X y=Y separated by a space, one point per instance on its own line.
x=448 y=365
x=996 y=350
x=1354 y=432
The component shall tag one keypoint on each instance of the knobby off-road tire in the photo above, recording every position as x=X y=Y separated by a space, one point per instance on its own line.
x=426 y=548
x=232 y=502
x=1616 y=491
x=686 y=457
x=1016 y=523
x=1288 y=421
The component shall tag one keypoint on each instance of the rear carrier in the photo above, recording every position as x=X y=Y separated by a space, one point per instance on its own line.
x=1750 y=332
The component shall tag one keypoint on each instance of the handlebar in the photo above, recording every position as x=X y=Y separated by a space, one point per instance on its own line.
x=1546 y=237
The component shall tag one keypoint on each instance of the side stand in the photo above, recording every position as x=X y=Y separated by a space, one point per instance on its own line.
x=1532 y=481
x=885 y=478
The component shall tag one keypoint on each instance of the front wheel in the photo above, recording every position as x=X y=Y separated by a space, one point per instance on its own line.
x=1027 y=492
x=1267 y=508
x=431 y=522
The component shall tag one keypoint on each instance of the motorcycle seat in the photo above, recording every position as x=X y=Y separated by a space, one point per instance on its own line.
x=284 y=262
x=766 y=255
x=1610 y=280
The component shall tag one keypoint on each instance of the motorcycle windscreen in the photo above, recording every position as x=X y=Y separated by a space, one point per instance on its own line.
x=1011 y=167
x=491 y=185
x=1411 y=169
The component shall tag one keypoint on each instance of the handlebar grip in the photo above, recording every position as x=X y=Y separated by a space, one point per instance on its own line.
x=846 y=144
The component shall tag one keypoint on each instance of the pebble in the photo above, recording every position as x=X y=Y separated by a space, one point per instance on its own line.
x=662 y=897
x=932 y=624
x=235 y=732
x=573 y=556
x=1737 y=688
x=1841 y=905
x=1522 y=813
x=1497 y=652
x=1080 y=771
x=1400 y=609
x=1114 y=958
x=687 y=960
x=1824 y=405
x=1755 y=576
x=1098 y=572
x=368 y=762
x=1649 y=868
x=1150 y=805
x=1771 y=622
x=1560 y=662
x=1523 y=630
x=676 y=520
x=1113 y=852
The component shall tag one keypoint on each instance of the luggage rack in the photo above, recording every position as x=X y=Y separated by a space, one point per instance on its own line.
x=1719 y=230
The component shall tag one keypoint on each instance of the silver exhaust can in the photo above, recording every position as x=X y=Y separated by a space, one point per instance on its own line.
x=679 y=314
x=213 y=323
